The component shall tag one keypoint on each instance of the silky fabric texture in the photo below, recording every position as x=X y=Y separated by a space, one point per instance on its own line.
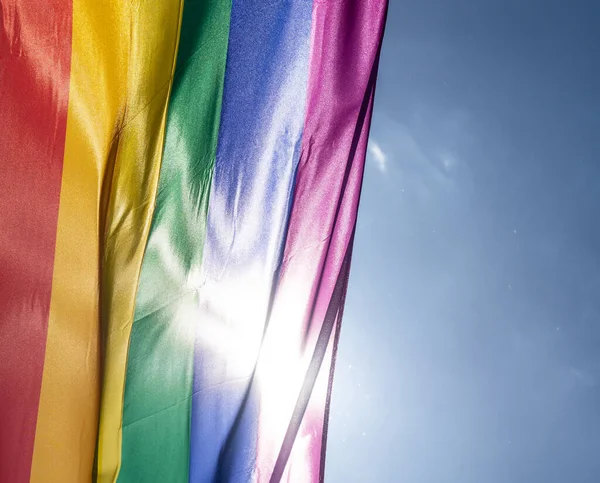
x=111 y=154
x=346 y=46
x=148 y=33
x=102 y=142
x=257 y=155
x=157 y=406
x=34 y=93
x=67 y=421
x=179 y=185
x=345 y=42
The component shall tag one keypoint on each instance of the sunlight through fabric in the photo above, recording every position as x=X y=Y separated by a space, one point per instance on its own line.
x=179 y=186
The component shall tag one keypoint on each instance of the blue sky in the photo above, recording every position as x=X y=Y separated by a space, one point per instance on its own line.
x=470 y=349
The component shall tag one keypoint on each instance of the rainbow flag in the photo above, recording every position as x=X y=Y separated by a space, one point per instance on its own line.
x=179 y=183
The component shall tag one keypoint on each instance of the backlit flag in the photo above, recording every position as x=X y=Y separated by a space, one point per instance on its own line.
x=179 y=183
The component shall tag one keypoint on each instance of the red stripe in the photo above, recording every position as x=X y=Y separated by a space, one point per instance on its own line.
x=35 y=58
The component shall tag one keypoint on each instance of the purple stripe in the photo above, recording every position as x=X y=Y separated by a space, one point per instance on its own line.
x=346 y=38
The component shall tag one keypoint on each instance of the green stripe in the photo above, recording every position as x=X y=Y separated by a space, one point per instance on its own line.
x=159 y=382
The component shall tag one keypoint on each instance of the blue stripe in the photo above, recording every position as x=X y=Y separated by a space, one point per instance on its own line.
x=258 y=150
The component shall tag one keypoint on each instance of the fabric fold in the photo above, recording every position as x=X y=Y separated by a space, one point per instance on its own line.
x=179 y=186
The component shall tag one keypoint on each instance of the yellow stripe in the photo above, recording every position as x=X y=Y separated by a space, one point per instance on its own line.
x=123 y=56
x=155 y=37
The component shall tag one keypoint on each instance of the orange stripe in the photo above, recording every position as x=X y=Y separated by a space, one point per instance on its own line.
x=68 y=413
x=122 y=56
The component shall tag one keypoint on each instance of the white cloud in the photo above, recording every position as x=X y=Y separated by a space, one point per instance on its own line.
x=378 y=155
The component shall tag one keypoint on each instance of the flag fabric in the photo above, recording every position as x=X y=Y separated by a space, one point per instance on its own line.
x=179 y=184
